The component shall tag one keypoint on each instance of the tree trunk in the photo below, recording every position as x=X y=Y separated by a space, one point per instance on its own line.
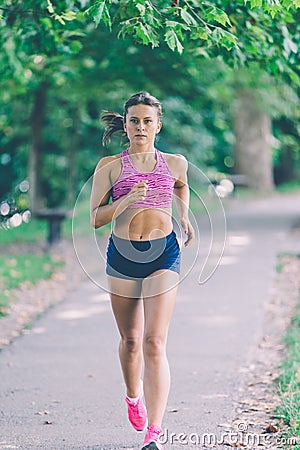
x=253 y=138
x=72 y=160
x=36 y=149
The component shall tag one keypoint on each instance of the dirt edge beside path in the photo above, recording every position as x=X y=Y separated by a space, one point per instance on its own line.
x=32 y=301
x=254 y=424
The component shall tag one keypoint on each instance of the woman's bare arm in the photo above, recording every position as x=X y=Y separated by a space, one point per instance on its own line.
x=182 y=198
x=101 y=212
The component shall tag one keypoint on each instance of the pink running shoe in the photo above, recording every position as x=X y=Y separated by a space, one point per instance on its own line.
x=137 y=413
x=151 y=438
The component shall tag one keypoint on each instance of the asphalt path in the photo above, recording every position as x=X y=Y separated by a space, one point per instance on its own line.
x=61 y=385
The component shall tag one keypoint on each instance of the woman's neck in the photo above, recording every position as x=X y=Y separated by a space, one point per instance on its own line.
x=148 y=148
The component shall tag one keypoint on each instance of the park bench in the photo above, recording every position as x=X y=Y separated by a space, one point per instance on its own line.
x=55 y=218
x=229 y=183
x=239 y=180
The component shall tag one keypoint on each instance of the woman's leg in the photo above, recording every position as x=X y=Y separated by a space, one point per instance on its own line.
x=158 y=308
x=128 y=312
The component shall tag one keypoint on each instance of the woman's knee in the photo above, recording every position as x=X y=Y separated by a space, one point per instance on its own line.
x=154 y=346
x=132 y=344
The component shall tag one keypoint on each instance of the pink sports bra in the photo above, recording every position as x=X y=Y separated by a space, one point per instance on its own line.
x=160 y=182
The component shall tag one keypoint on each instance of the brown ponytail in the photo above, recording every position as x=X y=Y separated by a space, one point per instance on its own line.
x=113 y=124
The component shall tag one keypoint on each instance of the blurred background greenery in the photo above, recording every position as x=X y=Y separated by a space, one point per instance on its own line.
x=229 y=108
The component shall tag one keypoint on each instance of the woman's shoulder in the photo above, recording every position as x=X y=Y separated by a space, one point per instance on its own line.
x=108 y=161
x=175 y=159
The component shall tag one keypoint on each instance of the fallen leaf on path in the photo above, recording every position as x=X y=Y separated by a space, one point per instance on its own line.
x=58 y=276
x=234 y=444
x=3 y=342
x=7 y=446
x=215 y=396
x=264 y=381
x=249 y=401
x=271 y=428
x=250 y=410
x=225 y=425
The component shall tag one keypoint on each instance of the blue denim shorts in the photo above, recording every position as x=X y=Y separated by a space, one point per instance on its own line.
x=136 y=260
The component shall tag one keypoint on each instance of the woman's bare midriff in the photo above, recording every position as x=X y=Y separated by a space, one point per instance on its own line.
x=144 y=224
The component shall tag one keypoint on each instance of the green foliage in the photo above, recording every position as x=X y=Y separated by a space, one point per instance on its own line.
x=99 y=12
x=208 y=30
x=177 y=52
x=48 y=28
x=274 y=7
x=151 y=24
x=172 y=36
x=39 y=28
x=195 y=140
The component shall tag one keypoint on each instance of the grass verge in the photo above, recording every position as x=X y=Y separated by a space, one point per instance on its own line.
x=288 y=412
x=23 y=269
x=26 y=233
x=291 y=186
x=23 y=263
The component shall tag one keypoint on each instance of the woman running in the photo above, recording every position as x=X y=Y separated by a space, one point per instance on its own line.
x=143 y=255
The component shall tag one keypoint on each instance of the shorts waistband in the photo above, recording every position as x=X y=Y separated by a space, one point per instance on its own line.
x=143 y=241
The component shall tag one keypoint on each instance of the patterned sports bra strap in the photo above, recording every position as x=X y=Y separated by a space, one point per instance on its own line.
x=163 y=162
x=126 y=160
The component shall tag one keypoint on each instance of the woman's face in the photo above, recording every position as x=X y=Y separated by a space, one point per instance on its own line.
x=142 y=124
